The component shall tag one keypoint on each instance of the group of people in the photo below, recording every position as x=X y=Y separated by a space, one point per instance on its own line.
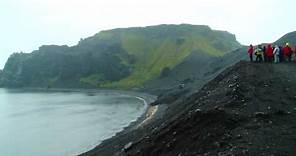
x=270 y=53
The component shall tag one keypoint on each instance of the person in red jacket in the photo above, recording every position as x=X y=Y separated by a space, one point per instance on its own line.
x=250 y=52
x=295 y=50
x=269 y=53
x=287 y=52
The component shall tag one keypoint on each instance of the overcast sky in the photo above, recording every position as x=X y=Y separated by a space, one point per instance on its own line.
x=28 y=24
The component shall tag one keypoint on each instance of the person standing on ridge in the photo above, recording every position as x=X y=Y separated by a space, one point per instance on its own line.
x=295 y=51
x=276 y=54
x=269 y=53
x=287 y=52
x=250 y=52
x=281 y=54
x=258 y=53
x=263 y=48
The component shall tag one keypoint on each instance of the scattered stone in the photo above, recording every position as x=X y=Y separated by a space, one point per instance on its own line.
x=154 y=129
x=260 y=114
x=168 y=145
x=239 y=136
x=127 y=146
x=245 y=151
x=197 y=111
x=222 y=153
x=287 y=89
x=265 y=85
x=181 y=86
x=217 y=144
x=281 y=112
x=231 y=85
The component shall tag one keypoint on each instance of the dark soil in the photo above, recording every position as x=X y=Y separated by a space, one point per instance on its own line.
x=249 y=109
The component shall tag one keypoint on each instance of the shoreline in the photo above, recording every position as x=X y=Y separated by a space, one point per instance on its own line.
x=91 y=90
x=148 y=112
x=134 y=124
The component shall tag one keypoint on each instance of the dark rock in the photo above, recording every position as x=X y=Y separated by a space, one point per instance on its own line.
x=127 y=146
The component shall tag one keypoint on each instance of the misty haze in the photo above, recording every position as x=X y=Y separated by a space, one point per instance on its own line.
x=147 y=78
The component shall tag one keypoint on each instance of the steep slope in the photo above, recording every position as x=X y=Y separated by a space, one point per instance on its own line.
x=1 y=73
x=168 y=46
x=249 y=109
x=289 y=37
x=193 y=72
x=123 y=58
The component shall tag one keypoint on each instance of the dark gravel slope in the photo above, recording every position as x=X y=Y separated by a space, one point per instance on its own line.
x=249 y=109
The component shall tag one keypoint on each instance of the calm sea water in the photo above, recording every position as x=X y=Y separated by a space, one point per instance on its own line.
x=34 y=123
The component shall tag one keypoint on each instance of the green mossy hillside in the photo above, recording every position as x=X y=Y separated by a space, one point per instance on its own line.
x=118 y=58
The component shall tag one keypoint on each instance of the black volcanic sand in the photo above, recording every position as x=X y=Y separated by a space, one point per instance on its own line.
x=249 y=109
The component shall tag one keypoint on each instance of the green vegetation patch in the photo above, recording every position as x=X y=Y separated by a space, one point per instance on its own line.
x=95 y=80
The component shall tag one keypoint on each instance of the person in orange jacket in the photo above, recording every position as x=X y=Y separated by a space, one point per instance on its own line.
x=250 y=52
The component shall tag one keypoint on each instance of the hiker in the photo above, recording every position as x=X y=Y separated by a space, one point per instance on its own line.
x=287 y=52
x=276 y=54
x=258 y=53
x=264 y=53
x=269 y=53
x=295 y=51
x=250 y=52
x=281 y=53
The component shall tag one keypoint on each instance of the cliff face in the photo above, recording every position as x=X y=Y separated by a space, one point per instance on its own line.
x=119 y=58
